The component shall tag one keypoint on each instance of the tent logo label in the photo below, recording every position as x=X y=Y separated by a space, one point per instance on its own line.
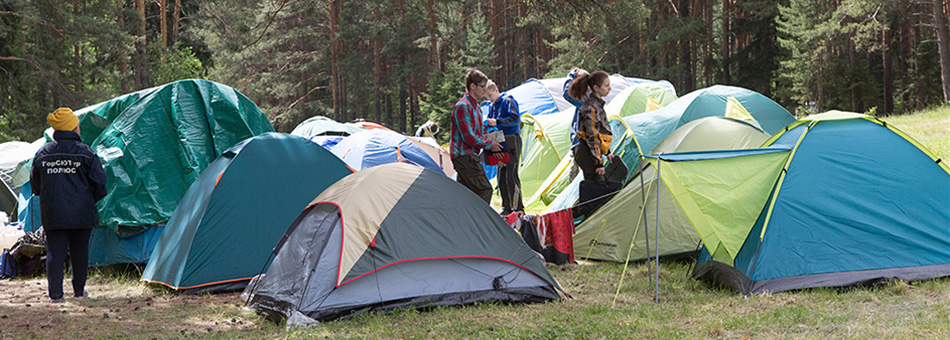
x=595 y=243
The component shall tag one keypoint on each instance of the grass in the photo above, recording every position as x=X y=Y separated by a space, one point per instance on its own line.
x=929 y=127
x=687 y=310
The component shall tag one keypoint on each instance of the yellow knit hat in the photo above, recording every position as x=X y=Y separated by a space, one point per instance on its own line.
x=63 y=119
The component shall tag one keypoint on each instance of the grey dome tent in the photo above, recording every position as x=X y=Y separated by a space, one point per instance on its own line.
x=391 y=236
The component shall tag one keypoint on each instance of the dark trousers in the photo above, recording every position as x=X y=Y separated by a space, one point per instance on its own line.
x=585 y=160
x=469 y=173
x=509 y=184
x=77 y=240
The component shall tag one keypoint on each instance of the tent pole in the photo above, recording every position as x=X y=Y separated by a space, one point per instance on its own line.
x=656 y=290
x=646 y=229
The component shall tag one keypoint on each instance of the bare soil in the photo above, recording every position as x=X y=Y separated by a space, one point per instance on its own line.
x=117 y=309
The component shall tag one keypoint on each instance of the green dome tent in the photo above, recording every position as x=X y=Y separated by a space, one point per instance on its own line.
x=607 y=234
x=638 y=134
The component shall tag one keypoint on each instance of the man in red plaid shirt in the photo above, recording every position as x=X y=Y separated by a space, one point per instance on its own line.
x=468 y=139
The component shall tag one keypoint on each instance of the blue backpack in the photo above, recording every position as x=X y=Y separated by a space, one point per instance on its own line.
x=8 y=266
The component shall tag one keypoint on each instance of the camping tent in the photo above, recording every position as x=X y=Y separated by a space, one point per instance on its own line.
x=107 y=248
x=380 y=146
x=154 y=143
x=12 y=155
x=639 y=98
x=542 y=97
x=8 y=201
x=323 y=126
x=368 y=125
x=841 y=199
x=436 y=152
x=608 y=233
x=394 y=236
x=223 y=231
x=638 y=134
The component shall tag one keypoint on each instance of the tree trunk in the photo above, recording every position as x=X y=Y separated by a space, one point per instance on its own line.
x=851 y=70
x=943 y=43
x=141 y=63
x=400 y=123
x=434 y=59
x=726 y=52
x=123 y=59
x=903 y=61
x=387 y=95
x=888 y=79
x=77 y=10
x=176 y=17
x=689 y=79
x=821 y=75
x=378 y=67
x=334 y=59
x=163 y=11
x=413 y=104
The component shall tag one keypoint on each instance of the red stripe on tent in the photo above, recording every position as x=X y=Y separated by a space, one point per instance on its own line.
x=437 y=258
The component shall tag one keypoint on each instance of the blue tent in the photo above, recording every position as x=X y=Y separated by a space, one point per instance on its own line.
x=856 y=201
x=377 y=147
x=107 y=248
x=231 y=218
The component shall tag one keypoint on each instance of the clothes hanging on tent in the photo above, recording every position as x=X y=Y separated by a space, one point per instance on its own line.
x=550 y=235
x=558 y=230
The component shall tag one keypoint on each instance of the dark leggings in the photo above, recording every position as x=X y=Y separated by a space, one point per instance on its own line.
x=509 y=184
x=585 y=160
x=56 y=243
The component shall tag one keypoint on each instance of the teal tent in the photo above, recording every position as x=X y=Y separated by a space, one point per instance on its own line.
x=223 y=231
x=851 y=201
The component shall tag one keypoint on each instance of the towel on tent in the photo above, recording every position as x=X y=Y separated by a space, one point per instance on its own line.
x=558 y=230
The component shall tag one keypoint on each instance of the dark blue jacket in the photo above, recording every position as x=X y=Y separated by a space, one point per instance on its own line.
x=577 y=107
x=69 y=179
x=505 y=111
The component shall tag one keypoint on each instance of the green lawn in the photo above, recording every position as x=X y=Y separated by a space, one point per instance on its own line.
x=930 y=127
x=687 y=309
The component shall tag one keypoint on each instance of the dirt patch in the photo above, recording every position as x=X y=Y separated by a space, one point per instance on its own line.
x=117 y=309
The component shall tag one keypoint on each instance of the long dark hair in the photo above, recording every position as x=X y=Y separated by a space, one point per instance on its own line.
x=586 y=82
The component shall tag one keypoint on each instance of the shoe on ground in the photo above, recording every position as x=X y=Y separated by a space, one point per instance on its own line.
x=59 y=300
x=84 y=294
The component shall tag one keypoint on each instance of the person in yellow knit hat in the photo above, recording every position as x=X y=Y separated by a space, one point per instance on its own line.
x=69 y=179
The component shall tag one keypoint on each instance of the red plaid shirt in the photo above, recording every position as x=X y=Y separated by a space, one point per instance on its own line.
x=467 y=129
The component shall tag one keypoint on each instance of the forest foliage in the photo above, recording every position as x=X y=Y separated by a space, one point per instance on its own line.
x=401 y=62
